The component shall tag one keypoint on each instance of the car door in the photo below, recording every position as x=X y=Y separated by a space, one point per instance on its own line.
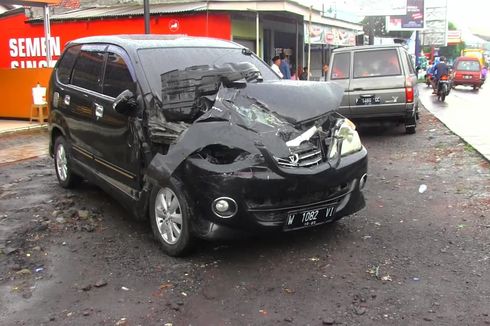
x=340 y=73
x=116 y=151
x=377 y=86
x=78 y=98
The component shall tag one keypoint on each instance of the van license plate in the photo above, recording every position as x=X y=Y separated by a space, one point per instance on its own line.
x=301 y=219
x=364 y=100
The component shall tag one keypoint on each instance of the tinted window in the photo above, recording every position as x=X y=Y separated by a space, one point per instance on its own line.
x=468 y=66
x=117 y=77
x=157 y=61
x=341 y=66
x=376 y=63
x=66 y=64
x=411 y=65
x=88 y=69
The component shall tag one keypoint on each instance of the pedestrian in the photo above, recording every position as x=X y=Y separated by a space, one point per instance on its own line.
x=276 y=63
x=324 y=72
x=304 y=74
x=294 y=74
x=284 y=67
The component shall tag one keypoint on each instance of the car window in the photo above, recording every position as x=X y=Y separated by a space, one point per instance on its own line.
x=88 y=69
x=117 y=77
x=376 y=63
x=468 y=66
x=65 y=64
x=341 y=66
x=158 y=61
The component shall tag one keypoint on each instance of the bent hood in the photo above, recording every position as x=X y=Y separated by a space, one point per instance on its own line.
x=295 y=101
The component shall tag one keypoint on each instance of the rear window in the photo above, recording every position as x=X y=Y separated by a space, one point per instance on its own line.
x=468 y=66
x=376 y=63
x=66 y=64
x=341 y=66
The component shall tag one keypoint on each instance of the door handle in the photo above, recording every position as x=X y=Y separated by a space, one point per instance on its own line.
x=99 y=111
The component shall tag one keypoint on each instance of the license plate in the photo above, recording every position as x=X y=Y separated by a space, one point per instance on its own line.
x=306 y=218
x=365 y=100
x=467 y=77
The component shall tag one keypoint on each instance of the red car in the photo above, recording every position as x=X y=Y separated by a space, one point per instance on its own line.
x=467 y=72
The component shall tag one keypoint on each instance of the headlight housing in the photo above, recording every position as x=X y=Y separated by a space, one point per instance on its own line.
x=349 y=137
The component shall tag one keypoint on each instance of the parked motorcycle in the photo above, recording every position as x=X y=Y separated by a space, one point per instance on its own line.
x=443 y=88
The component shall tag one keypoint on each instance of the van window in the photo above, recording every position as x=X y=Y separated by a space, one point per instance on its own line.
x=468 y=66
x=411 y=64
x=88 y=69
x=65 y=64
x=376 y=63
x=341 y=66
x=117 y=77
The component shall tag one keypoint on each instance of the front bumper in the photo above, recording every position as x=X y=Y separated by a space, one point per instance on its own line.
x=265 y=196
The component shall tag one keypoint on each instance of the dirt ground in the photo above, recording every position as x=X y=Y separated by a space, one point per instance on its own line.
x=411 y=257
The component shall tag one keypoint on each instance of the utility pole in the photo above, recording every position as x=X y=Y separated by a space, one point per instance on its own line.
x=309 y=45
x=146 y=12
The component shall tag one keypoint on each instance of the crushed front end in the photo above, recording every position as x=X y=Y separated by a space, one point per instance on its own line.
x=267 y=156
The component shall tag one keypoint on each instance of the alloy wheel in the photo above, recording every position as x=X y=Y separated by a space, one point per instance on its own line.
x=168 y=215
x=61 y=162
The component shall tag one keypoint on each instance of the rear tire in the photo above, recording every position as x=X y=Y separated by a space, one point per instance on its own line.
x=411 y=125
x=170 y=218
x=62 y=164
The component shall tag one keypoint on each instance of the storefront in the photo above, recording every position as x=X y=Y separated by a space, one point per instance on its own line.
x=266 y=27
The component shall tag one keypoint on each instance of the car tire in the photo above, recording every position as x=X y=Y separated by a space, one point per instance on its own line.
x=170 y=218
x=411 y=125
x=62 y=164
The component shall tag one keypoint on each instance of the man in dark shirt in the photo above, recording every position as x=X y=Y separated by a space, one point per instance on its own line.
x=440 y=70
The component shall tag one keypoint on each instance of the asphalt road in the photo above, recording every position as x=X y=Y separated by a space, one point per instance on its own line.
x=466 y=112
x=411 y=257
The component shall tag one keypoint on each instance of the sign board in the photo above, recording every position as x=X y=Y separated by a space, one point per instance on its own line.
x=453 y=37
x=413 y=20
x=435 y=32
x=382 y=7
x=321 y=34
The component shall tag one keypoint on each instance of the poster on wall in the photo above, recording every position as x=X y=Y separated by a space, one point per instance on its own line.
x=413 y=20
x=329 y=35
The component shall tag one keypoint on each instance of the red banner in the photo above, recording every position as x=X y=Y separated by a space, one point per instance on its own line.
x=22 y=44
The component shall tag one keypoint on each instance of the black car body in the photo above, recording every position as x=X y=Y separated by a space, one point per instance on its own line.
x=203 y=137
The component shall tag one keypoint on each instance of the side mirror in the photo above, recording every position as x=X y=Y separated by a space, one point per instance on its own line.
x=124 y=102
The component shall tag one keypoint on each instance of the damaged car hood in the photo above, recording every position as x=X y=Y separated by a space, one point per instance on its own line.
x=295 y=101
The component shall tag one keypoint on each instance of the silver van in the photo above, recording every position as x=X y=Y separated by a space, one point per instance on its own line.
x=380 y=84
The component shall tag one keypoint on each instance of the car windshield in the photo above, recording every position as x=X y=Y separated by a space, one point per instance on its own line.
x=158 y=61
x=468 y=66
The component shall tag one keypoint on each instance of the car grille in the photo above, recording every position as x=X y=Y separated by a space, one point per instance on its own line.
x=301 y=157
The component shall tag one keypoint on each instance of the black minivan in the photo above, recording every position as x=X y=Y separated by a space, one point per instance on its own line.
x=200 y=136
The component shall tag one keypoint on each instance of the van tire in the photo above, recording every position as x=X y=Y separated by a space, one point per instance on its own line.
x=410 y=125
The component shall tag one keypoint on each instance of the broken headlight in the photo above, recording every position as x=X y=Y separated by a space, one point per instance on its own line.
x=349 y=137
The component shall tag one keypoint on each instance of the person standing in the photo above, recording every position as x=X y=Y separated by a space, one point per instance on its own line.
x=324 y=72
x=284 y=67
x=276 y=63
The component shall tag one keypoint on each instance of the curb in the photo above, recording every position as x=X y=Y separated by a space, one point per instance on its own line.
x=23 y=129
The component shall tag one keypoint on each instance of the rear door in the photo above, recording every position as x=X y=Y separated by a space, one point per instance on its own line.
x=79 y=97
x=377 y=87
x=340 y=73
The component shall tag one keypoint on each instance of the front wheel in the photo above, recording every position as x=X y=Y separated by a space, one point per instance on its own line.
x=170 y=216
x=62 y=163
